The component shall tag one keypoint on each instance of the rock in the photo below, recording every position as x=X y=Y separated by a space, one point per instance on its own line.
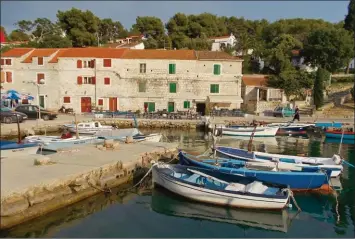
x=116 y=145
x=129 y=139
x=100 y=147
x=42 y=161
x=29 y=132
x=108 y=143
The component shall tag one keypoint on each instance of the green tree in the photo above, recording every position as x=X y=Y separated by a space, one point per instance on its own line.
x=150 y=26
x=80 y=27
x=17 y=35
x=318 y=96
x=110 y=30
x=330 y=49
x=349 y=22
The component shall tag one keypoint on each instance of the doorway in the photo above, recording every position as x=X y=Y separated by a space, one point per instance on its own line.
x=171 y=107
x=85 y=104
x=113 y=104
x=200 y=108
x=42 y=101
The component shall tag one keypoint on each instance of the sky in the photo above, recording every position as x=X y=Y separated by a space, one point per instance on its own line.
x=127 y=11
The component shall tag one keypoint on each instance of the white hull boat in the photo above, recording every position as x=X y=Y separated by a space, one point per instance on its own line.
x=17 y=150
x=199 y=185
x=148 y=138
x=334 y=163
x=117 y=134
x=89 y=128
x=54 y=143
x=259 y=131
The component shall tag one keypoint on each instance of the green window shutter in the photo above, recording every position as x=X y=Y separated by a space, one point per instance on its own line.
x=186 y=104
x=214 y=88
x=172 y=68
x=216 y=69
x=172 y=87
x=217 y=89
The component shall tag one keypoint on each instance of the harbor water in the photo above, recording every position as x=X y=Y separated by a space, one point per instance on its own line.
x=148 y=213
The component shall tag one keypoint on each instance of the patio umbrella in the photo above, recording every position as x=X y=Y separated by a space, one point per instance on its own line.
x=13 y=95
x=27 y=97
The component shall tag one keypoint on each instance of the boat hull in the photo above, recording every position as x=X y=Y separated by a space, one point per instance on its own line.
x=149 y=138
x=338 y=135
x=118 y=134
x=295 y=180
x=240 y=154
x=201 y=194
x=247 y=131
x=18 y=152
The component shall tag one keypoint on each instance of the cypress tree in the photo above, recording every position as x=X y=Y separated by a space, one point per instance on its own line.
x=318 y=88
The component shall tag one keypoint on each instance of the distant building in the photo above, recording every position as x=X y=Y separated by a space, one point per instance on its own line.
x=132 y=45
x=298 y=61
x=4 y=42
x=352 y=64
x=223 y=41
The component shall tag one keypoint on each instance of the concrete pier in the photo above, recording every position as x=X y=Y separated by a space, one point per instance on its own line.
x=29 y=190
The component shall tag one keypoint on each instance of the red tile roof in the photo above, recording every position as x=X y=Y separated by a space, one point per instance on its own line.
x=255 y=80
x=16 y=52
x=46 y=52
x=121 y=45
x=159 y=54
x=295 y=52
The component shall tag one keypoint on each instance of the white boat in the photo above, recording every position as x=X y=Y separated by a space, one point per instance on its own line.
x=259 y=131
x=14 y=149
x=117 y=134
x=209 y=186
x=88 y=127
x=290 y=125
x=149 y=137
x=334 y=164
x=54 y=143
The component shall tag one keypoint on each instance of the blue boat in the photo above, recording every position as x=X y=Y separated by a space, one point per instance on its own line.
x=338 y=134
x=295 y=180
x=328 y=124
x=14 y=149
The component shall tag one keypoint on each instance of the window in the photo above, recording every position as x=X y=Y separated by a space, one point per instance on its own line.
x=80 y=80
x=187 y=104
x=89 y=64
x=89 y=80
x=107 y=81
x=8 y=62
x=172 y=87
x=40 y=77
x=9 y=77
x=216 y=69
x=142 y=86
x=214 y=88
x=172 y=68
x=107 y=62
x=40 y=61
x=66 y=99
x=100 y=102
x=149 y=106
x=79 y=64
x=142 y=68
x=2 y=62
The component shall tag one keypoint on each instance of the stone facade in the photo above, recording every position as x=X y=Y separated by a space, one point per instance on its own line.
x=133 y=77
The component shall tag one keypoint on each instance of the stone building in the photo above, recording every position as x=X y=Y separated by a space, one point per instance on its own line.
x=123 y=79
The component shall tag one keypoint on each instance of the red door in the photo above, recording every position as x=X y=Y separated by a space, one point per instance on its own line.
x=85 y=104
x=113 y=104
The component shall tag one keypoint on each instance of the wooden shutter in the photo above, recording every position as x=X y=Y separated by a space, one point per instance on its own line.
x=8 y=61
x=3 y=76
x=217 y=69
x=8 y=76
x=172 y=87
x=93 y=63
x=40 y=76
x=93 y=80
x=80 y=80
x=107 y=80
x=79 y=64
x=107 y=62
x=66 y=99
x=100 y=102
x=2 y=62
x=40 y=60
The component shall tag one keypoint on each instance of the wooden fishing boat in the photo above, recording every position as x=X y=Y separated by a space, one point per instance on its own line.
x=53 y=143
x=148 y=137
x=14 y=149
x=214 y=187
x=88 y=127
x=259 y=131
x=334 y=164
x=117 y=134
x=164 y=202
x=291 y=128
x=294 y=179
x=337 y=133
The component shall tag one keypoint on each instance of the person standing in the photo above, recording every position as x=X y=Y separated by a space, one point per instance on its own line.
x=297 y=114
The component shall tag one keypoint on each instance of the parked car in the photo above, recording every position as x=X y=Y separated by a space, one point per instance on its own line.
x=283 y=111
x=32 y=112
x=8 y=116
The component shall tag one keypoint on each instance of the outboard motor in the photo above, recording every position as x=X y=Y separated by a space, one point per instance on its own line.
x=337 y=159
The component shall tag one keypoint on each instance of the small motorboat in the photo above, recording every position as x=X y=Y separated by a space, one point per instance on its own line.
x=215 y=187
x=295 y=179
x=258 y=131
x=14 y=149
x=334 y=164
x=117 y=134
x=166 y=203
x=291 y=128
x=89 y=128
x=148 y=137
x=54 y=143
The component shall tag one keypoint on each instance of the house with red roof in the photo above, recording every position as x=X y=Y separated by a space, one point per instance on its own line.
x=96 y=78
x=4 y=42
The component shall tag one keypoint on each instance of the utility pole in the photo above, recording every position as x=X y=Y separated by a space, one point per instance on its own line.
x=39 y=107
x=95 y=81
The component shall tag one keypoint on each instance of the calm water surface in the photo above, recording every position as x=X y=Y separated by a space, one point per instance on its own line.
x=157 y=213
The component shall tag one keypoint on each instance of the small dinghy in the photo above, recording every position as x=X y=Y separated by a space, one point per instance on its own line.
x=294 y=178
x=117 y=134
x=258 y=131
x=148 y=137
x=217 y=188
x=53 y=143
x=291 y=128
x=88 y=128
x=14 y=149
x=334 y=164
x=339 y=133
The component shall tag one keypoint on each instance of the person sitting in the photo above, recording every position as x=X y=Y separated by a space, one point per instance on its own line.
x=66 y=135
